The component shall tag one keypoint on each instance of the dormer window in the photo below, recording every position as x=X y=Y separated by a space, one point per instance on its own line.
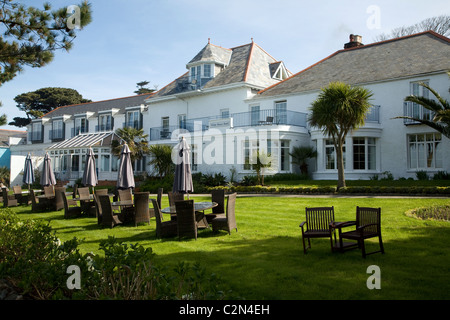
x=278 y=71
x=204 y=71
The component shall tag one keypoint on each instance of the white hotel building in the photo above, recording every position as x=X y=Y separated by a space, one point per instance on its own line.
x=231 y=102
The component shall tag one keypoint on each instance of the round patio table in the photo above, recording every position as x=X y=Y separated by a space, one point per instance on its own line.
x=199 y=208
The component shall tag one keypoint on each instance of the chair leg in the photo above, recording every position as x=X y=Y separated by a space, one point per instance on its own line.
x=363 y=248
x=381 y=244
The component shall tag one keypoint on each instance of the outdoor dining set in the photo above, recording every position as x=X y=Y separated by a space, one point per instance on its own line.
x=125 y=206
x=183 y=216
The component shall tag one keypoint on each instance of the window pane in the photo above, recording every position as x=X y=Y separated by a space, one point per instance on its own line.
x=372 y=158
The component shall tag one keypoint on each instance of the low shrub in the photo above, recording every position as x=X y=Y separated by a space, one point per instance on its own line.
x=36 y=263
x=434 y=213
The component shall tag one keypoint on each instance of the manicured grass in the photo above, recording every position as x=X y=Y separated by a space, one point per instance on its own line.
x=265 y=260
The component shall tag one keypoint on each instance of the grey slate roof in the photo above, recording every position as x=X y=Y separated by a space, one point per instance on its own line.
x=212 y=53
x=418 y=54
x=248 y=63
x=119 y=103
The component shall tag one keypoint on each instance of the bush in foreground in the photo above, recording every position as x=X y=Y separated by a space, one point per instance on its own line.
x=36 y=263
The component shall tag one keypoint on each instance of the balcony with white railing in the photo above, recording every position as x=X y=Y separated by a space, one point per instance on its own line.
x=414 y=110
x=236 y=120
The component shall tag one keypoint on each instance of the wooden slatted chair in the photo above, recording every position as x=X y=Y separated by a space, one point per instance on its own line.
x=166 y=228
x=368 y=225
x=317 y=225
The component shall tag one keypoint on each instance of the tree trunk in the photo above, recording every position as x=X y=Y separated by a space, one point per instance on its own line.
x=340 y=165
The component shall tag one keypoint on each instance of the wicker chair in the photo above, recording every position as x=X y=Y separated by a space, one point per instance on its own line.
x=59 y=202
x=141 y=208
x=9 y=200
x=217 y=196
x=49 y=191
x=186 y=222
x=228 y=222
x=21 y=199
x=317 y=225
x=37 y=206
x=109 y=219
x=126 y=195
x=87 y=205
x=158 y=200
x=173 y=197
x=166 y=228
x=98 y=208
x=368 y=225
x=70 y=211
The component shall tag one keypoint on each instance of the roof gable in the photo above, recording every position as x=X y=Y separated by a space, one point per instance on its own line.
x=422 y=53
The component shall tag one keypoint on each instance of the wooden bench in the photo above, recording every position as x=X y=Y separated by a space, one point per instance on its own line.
x=317 y=225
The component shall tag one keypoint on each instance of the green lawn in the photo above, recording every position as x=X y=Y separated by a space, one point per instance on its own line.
x=265 y=260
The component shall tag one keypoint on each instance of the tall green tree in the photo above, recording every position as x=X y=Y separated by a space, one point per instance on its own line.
x=339 y=109
x=37 y=103
x=440 y=108
x=136 y=140
x=29 y=36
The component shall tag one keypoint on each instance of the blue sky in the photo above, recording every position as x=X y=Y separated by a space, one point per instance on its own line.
x=131 y=41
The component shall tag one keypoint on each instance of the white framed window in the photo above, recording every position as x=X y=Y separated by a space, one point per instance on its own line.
x=425 y=151
x=57 y=130
x=194 y=158
x=224 y=113
x=80 y=125
x=133 y=119
x=330 y=155
x=182 y=121
x=281 y=112
x=284 y=156
x=207 y=71
x=105 y=122
x=364 y=153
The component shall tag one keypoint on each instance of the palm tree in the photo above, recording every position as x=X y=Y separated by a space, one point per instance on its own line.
x=339 y=109
x=136 y=140
x=440 y=109
x=260 y=161
x=161 y=159
x=300 y=155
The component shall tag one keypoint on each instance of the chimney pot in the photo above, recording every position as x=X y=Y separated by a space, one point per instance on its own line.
x=355 y=41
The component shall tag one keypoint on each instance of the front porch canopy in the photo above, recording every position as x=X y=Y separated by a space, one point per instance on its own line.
x=86 y=140
x=70 y=155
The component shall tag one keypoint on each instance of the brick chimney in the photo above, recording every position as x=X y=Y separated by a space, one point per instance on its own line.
x=355 y=41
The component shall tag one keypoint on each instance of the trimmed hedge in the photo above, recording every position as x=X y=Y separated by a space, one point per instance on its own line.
x=415 y=190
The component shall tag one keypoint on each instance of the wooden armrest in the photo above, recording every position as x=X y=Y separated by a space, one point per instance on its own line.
x=342 y=224
x=302 y=224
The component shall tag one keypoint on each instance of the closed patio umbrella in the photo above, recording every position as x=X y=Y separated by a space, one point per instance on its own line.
x=28 y=173
x=47 y=177
x=183 y=177
x=89 y=173
x=125 y=180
